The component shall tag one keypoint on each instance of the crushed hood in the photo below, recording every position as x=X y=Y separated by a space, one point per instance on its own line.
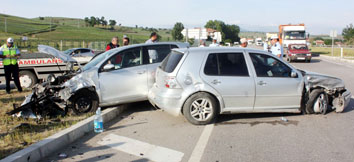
x=313 y=80
x=54 y=52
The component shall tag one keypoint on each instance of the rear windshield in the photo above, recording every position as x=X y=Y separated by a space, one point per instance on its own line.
x=170 y=62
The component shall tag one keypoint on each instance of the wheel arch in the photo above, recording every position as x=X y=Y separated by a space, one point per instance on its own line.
x=218 y=100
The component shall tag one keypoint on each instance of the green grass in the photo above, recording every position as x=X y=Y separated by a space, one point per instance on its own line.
x=336 y=52
x=13 y=139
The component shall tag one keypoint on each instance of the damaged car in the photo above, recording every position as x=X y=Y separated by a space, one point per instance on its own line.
x=202 y=83
x=118 y=76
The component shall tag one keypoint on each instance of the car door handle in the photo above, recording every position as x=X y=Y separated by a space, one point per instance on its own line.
x=216 y=81
x=141 y=72
x=262 y=83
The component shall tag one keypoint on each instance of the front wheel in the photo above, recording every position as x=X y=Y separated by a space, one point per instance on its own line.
x=27 y=79
x=318 y=102
x=200 y=109
x=84 y=101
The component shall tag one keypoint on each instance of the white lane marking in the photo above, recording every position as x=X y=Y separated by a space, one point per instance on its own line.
x=202 y=142
x=141 y=149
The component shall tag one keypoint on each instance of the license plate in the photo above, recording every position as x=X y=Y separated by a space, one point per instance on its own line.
x=301 y=58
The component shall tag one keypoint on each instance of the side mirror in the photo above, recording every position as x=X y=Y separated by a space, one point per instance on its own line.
x=108 y=67
x=293 y=74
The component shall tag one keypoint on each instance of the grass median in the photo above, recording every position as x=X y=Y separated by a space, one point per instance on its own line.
x=347 y=52
x=18 y=133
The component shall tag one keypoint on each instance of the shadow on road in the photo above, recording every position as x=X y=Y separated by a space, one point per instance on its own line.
x=233 y=119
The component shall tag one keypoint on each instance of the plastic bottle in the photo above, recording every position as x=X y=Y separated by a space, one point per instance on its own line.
x=98 y=122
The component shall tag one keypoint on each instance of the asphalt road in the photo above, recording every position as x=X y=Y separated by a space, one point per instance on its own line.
x=144 y=134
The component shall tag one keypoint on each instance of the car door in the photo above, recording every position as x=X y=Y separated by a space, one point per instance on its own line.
x=127 y=81
x=153 y=56
x=228 y=74
x=275 y=88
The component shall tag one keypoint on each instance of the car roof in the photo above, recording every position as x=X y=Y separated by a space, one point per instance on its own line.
x=79 y=48
x=218 y=49
x=179 y=44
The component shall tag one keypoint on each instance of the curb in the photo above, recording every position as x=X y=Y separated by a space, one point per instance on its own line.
x=47 y=146
x=337 y=59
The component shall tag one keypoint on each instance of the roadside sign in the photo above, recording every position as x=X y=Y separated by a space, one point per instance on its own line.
x=333 y=33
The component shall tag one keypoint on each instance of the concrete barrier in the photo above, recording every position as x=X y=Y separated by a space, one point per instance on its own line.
x=46 y=147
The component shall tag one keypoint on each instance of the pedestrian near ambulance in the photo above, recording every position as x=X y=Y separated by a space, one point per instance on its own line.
x=276 y=48
x=153 y=38
x=9 y=54
x=126 y=40
x=113 y=44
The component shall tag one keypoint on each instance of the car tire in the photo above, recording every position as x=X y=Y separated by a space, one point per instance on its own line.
x=200 y=109
x=84 y=101
x=309 y=60
x=318 y=102
x=27 y=79
x=288 y=59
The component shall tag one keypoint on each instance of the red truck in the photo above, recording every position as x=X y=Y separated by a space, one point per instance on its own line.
x=298 y=52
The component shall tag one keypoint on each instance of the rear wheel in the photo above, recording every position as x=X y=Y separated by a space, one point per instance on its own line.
x=318 y=102
x=27 y=79
x=84 y=101
x=200 y=108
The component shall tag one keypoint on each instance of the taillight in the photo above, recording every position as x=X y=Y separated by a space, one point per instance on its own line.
x=171 y=82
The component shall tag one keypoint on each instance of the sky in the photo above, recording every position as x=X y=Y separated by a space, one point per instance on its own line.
x=251 y=15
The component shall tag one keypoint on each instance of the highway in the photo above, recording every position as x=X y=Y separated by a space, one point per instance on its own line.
x=145 y=134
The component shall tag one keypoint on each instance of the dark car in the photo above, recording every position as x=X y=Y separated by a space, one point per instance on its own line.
x=298 y=52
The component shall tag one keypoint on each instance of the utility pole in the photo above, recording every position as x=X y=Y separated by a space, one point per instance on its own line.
x=333 y=34
x=5 y=25
x=50 y=24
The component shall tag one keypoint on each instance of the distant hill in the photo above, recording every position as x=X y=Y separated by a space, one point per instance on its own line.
x=60 y=28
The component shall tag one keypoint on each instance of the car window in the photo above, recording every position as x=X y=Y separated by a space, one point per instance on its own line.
x=85 y=50
x=171 y=61
x=125 y=59
x=226 y=64
x=268 y=66
x=156 y=53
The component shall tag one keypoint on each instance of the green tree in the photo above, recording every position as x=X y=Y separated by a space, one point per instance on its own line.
x=87 y=21
x=92 y=21
x=176 y=31
x=348 y=34
x=228 y=32
x=112 y=23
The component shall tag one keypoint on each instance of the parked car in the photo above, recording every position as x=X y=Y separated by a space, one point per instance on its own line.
x=118 y=76
x=201 y=83
x=298 y=52
x=80 y=52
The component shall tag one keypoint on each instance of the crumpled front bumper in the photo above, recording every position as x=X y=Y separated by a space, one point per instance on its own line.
x=347 y=97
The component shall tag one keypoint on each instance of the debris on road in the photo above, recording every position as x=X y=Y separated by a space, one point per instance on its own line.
x=63 y=155
x=284 y=119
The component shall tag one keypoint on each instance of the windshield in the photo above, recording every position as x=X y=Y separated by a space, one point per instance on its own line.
x=97 y=60
x=295 y=35
x=299 y=47
x=69 y=51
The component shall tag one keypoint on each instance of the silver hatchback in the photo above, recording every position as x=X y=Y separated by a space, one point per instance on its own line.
x=201 y=83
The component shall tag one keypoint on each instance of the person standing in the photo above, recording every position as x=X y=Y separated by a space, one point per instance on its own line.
x=276 y=48
x=10 y=53
x=244 y=43
x=113 y=44
x=153 y=38
x=214 y=44
x=126 y=40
